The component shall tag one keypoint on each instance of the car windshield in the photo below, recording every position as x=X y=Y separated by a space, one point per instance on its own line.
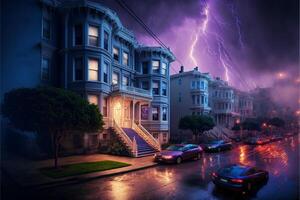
x=233 y=171
x=175 y=148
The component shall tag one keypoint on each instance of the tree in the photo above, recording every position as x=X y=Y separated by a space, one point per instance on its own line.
x=251 y=124
x=52 y=111
x=196 y=124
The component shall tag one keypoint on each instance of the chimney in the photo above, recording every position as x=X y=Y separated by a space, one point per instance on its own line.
x=196 y=68
x=181 y=69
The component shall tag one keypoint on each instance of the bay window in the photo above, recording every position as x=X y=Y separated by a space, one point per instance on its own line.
x=155 y=87
x=93 y=69
x=116 y=54
x=125 y=58
x=164 y=69
x=78 y=36
x=105 y=72
x=155 y=66
x=93 y=33
x=115 y=78
x=106 y=40
x=155 y=113
x=78 y=65
x=164 y=88
x=164 y=113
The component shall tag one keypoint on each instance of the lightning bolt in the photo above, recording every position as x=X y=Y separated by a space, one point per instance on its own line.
x=201 y=29
x=238 y=25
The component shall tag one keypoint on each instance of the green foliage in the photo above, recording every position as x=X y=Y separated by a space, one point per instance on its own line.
x=251 y=124
x=49 y=110
x=197 y=124
x=276 y=121
x=52 y=111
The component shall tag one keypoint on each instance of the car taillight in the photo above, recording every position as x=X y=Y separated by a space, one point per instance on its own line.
x=237 y=180
x=214 y=174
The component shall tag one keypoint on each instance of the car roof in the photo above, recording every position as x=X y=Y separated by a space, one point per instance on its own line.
x=234 y=170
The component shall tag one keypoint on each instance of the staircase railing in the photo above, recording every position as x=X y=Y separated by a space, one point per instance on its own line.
x=146 y=136
x=131 y=145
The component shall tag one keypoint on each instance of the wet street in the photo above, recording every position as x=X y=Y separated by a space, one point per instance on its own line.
x=191 y=180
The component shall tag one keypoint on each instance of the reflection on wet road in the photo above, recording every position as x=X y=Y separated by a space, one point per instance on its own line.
x=191 y=180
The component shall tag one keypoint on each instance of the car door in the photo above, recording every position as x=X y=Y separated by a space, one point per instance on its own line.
x=253 y=175
x=187 y=152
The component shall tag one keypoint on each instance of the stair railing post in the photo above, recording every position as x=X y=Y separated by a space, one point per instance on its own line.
x=134 y=147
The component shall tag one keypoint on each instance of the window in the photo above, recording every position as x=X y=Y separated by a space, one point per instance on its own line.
x=93 y=36
x=205 y=99
x=145 y=85
x=106 y=40
x=194 y=99
x=116 y=54
x=144 y=112
x=115 y=78
x=105 y=102
x=93 y=99
x=193 y=84
x=155 y=87
x=155 y=113
x=155 y=66
x=78 y=65
x=202 y=85
x=164 y=114
x=198 y=84
x=46 y=28
x=125 y=81
x=145 y=67
x=164 y=69
x=93 y=69
x=202 y=99
x=198 y=99
x=78 y=34
x=105 y=72
x=125 y=58
x=45 y=69
x=164 y=88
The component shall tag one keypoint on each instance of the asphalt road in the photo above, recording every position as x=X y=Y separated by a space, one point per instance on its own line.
x=191 y=180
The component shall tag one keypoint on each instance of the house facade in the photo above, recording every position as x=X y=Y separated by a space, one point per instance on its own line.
x=82 y=46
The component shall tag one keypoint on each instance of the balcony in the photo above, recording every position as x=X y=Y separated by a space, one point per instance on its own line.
x=129 y=90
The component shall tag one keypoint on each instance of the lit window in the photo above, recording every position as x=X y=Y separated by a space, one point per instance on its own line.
x=93 y=36
x=116 y=54
x=125 y=81
x=155 y=66
x=164 y=89
x=46 y=28
x=155 y=113
x=155 y=87
x=45 y=69
x=164 y=114
x=164 y=69
x=78 y=65
x=105 y=72
x=93 y=69
x=93 y=99
x=78 y=34
x=106 y=40
x=115 y=78
x=125 y=58
x=145 y=67
x=105 y=102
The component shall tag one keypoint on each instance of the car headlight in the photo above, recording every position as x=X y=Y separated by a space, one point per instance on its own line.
x=167 y=157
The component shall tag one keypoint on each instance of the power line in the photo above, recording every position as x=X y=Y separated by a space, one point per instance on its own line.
x=148 y=30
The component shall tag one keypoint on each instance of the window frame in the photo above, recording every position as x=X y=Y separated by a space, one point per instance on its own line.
x=157 y=114
x=164 y=70
x=124 y=53
x=118 y=78
x=48 y=68
x=92 y=36
x=105 y=74
x=155 y=89
x=75 y=69
x=155 y=71
x=164 y=115
x=43 y=26
x=106 y=33
x=95 y=70
x=118 y=50
x=75 y=33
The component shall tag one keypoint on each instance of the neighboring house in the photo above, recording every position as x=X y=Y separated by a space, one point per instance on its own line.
x=83 y=46
x=196 y=93
x=189 y=96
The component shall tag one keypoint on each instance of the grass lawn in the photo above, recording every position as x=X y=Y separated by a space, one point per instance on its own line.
x=82 y=168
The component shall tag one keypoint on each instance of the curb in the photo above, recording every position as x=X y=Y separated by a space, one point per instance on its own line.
x=77 y=180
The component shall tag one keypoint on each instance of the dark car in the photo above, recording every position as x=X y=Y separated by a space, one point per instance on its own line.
x=178 y=153
x=239 y=177
x=257 y=140
x=217 y=145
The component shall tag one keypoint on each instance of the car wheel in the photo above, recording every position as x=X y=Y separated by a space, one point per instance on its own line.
x=178 y=160
x=198 y=156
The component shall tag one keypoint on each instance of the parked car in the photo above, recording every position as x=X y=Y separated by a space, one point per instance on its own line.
x=178 y=153
x=239 y=177
x=257 y=140
x=217 y=145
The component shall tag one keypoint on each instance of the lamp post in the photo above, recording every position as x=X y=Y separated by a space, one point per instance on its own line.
x=238 y=122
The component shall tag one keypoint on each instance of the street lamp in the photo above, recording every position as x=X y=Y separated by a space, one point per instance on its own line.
x=238 y=122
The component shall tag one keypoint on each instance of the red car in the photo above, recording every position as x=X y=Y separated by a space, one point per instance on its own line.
x=178 y=153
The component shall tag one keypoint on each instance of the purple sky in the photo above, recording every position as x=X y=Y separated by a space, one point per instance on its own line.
x=248 y=42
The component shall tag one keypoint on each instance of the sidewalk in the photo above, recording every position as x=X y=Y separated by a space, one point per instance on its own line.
x=26 y=172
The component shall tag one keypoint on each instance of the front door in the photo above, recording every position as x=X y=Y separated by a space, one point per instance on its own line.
x=118 y=114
